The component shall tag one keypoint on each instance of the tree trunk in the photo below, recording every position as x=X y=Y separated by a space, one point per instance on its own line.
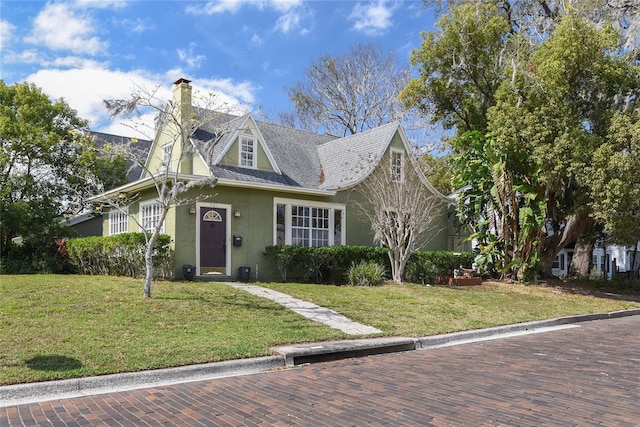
x=396 y=275
x=582 y=255
x=148 y=260
x=634 y=270
x=570 y=233
x=148 y=276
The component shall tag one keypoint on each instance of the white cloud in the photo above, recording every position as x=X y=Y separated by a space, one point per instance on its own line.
x=31 y=56
x=213 y=7
x=373 y=18
x=6 y=33
x=288 y=22
x=60 y=27
x=187 y=56
x=285 y=5
x=216 y=6
x=84 y=89
x=73 y=62
x=101 y=4
x=137 y=26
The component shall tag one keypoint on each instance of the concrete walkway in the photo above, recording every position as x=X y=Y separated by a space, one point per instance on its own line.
x=309 y=310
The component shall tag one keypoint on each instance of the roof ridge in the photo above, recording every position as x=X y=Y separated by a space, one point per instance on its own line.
x=362 y=134
x=294 y=128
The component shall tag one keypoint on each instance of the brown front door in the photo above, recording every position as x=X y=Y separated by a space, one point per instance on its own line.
x=213 y=240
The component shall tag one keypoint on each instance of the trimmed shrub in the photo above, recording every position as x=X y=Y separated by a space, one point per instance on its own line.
x=329 y=263
x=366 y=273
x=120 y=255
x=37 y=255
x=322 y=264
x=424 y=266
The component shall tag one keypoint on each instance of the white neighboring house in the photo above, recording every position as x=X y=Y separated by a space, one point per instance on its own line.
x=562 y=263
x=609 y=261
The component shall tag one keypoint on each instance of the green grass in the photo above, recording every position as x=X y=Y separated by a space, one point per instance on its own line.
x=416 y=310
x=54 y=327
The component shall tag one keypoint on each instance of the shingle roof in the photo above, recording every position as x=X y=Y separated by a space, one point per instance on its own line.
x=307 y=160
x=136 y=147
x=348 y=160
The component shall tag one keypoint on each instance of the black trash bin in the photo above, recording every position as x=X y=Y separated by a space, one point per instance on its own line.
x=188 y=272
x=244 y=273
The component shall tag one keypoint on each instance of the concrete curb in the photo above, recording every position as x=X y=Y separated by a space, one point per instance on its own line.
x=52 y=390
x=289 y=356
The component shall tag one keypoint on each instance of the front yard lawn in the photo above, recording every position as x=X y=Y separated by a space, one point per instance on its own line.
x=417 y=310
x=54 y=327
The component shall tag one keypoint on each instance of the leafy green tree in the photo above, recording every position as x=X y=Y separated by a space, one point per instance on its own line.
x=37 y=153
x=461 y=66
x=438 y=170
x=44 y=167
x=615 y=180
x=554 y=115
x=537 y=126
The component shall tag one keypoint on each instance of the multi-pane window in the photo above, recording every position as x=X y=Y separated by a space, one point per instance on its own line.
x=309 y=226
x=247 y=152
x=300 y=225
x=118 y=221
x=150 y=213
x=397 y=166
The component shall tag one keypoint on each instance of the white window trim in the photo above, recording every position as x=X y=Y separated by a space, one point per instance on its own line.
x=254 y=157
x=392 y=152
x=122 y=216
x=142 y=220
x=310 y=204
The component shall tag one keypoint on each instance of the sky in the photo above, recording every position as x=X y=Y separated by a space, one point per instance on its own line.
x=246 y=51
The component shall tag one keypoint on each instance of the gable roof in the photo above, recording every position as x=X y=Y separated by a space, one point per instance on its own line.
x=137 y=147
x=292 y=152
x=306 y=160
x=236 y=126
x=303 y=161
x=347 y=161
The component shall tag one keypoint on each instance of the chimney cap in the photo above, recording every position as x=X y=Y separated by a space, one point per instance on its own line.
x=181 y=80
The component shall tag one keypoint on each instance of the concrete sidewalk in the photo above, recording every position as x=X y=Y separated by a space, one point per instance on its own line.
x=309 y=310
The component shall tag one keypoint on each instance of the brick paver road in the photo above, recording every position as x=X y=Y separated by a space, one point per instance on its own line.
x=584 y=376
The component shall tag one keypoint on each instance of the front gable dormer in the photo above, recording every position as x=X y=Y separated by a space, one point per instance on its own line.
x=247 y=148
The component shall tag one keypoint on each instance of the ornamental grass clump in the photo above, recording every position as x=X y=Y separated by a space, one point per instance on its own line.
x=366 y=273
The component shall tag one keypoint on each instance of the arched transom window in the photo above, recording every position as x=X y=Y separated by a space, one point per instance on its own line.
x=212 y=216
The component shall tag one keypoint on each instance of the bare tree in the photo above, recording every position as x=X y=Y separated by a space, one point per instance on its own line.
x=176 y=123
x=347 y=94
x=402 y=208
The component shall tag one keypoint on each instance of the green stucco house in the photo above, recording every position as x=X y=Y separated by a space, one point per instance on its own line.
x=275 y=185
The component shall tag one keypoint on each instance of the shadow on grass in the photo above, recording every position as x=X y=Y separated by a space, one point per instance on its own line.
x=53 y=362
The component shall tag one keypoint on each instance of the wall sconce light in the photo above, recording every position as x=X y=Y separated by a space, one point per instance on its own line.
x=236 y=213
x=192 y=209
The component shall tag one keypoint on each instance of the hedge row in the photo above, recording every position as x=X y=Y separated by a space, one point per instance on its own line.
x=329 y=263
x=120 y=255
